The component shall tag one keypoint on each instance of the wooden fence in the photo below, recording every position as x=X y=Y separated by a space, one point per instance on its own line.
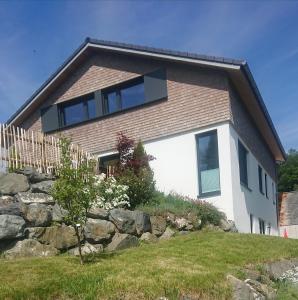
x=20 y=148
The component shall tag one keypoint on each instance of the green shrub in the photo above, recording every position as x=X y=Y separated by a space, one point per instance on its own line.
x=134 y=170
x=179 y=205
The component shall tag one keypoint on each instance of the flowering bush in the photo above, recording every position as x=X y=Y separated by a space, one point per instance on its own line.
x=110 y=194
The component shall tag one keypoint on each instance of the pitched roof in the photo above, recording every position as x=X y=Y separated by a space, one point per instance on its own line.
x=214 y=61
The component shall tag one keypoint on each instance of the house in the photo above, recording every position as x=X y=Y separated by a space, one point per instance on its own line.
x=288 y=214
x=202 y=117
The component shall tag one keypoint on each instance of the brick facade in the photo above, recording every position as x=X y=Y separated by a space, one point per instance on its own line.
x=196 y=97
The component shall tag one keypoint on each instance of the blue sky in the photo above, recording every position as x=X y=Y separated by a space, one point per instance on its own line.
x=37 y=36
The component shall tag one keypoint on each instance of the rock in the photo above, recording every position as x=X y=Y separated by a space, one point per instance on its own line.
x=266 y=291
x=183 y=224
x=29 y=248
x=37 y=215
x=228 y=225
x=124 y=220
x=276 y=269
x=11 y=227
x=158 y=225
x=142 y=222
x=97 y=231
x=87 y=249
x=29 y=198
x=167 y=234
x=42 y=187
x=34 y=176
x=98 y=213
x=9 y=206
x=11 y=184
x=58 y=213
x=194 y=220
x=60 y=237
x=171 y=219
x=34 y=232
x=242 y=291
x=122 y=241
x=148 y=237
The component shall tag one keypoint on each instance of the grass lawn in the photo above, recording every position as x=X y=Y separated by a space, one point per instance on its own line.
x=195 y=264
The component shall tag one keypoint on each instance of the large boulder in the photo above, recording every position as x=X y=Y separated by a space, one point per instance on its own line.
x=122 y=241
x=98 y=213
x=60 y=237
x=228 y=225
x=97 y=231
x=124 y=220
x=87 y=249
x=58 y=213
x=148 y=237
x=11 y=227
x=167 y=234
x=34 y=176
x=183 y=224
x=9 y=206
x=29 y=248
x=158 y=225
x=37 y=215
x=11 y=184
x=42 y=187
x=29 y=198
x=142 y=222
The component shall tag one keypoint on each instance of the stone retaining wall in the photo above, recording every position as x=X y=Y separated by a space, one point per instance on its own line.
x=31 y=223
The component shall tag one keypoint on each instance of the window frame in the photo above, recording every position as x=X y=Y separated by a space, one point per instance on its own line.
x=251 y=223
x=197 y=137
x=266 y=185
x=117 y=89
x=84 y=100
x=241 y=146
x=260 y=177
x=262 y=226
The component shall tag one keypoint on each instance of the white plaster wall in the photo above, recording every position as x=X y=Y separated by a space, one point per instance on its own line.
x=251 y=201
x=175 y=167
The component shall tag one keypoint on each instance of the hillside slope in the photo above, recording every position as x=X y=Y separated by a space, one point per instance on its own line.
x=195 y=265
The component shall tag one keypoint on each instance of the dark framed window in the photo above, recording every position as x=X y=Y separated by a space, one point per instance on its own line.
x=251 y=219
x=107 y=163
x=260 y=172
x=123 y=97
x=266 y=186
x=273 y=193
x=262 y=226
x=77 y=111
x=243 y=169
x=208 y=164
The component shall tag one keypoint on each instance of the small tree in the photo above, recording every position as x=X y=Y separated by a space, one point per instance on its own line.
x=74 y=190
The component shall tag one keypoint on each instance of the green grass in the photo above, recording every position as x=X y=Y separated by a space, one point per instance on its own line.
x=180 y=205
x=195 y=265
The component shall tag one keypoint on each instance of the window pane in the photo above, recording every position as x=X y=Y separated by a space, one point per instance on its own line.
x=208 y=163
x=133 y=96
x=74 y=113
x=91 y=108
x=112 y=103
x=242 y=153
x=260 y=179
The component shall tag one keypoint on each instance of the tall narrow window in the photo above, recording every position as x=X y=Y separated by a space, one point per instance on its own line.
x=251 y=223
x=273 y=193
x=262 y=226
x=266 y=186
x=242 y=153
x=260 y=171
x=208 y=163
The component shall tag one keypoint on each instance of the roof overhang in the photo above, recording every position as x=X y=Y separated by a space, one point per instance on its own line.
x=238 y=71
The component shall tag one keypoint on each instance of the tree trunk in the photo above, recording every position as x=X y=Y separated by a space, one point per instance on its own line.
x=79 y=244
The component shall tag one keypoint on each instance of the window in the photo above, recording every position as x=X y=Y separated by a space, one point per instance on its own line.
x=262 y=226
x=124 y=97
x=273 y=193
x=266 y=187
x=242 y=153
x=260 y=171
x=78 y=111
x=208 y=163
x=108 y=163
x=251 y=223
